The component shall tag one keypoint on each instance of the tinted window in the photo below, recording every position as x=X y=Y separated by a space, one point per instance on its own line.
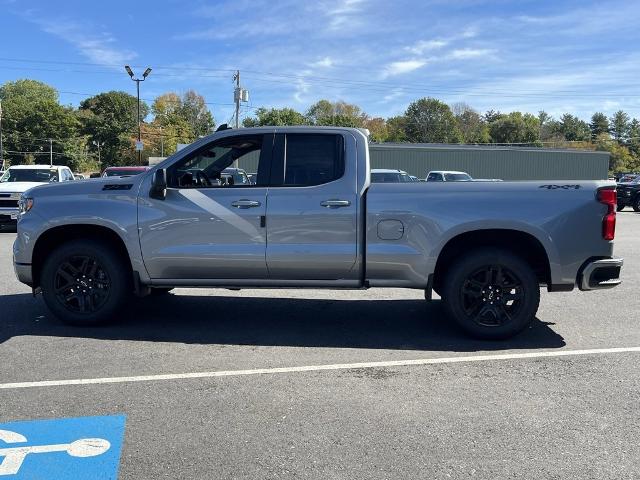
x=434 y=177
x=385 y=177
x=205 y=168
x=457 y=177
x=313 y=159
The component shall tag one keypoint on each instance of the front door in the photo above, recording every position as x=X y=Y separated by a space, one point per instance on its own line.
x=208 y=227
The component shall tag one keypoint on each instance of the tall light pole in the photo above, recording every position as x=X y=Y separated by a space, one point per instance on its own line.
x=98 y=144
x=138 y=80
x=1 y=148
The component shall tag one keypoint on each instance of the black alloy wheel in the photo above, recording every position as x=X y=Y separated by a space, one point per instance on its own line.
x=492 y=295
x=81 y=284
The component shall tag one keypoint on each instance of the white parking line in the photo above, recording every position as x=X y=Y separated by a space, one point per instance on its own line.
x=317 y=368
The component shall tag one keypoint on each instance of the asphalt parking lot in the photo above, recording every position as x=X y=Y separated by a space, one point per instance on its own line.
x=559 y=401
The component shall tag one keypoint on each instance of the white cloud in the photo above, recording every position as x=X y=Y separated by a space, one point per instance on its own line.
x=403 y=66
x=426 y=46
x=342 y=12
x=325 y=62
x=468 y=53
x=97 y=46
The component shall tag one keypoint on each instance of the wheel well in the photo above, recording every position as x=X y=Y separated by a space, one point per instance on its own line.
x=53 y=238
x=522 y=244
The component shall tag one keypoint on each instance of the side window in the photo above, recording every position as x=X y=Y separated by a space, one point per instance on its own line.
x=433 y=177
x=313 y=159
x=213 y=165
x=68 y=175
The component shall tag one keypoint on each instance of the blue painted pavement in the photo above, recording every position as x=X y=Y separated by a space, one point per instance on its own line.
x=86 y=448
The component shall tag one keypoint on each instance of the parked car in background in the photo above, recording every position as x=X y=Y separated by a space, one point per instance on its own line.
x=619 y=177
x=79 y=176
x=123 y=171
x=414 y=178
x=235 y=176
x=253 y=177
x=389 y=175
x=20 y=178
x=629 y=193
x=448 y=176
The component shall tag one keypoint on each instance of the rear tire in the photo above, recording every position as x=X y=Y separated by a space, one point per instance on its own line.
x=491 y=294
x=619 y=207
x=84 y=282
x=636 y=204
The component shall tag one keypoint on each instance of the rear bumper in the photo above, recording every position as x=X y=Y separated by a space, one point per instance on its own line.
x=600 y=274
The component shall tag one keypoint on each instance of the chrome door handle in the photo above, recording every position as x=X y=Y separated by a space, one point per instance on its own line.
x=335 y=203
x=245 y=204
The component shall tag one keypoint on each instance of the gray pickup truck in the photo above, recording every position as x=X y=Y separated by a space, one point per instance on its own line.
x=313 y=219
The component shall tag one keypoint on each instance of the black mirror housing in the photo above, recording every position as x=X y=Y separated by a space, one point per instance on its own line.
x=159 y=184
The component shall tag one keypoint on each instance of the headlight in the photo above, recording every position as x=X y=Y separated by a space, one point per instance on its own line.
x=25 y=204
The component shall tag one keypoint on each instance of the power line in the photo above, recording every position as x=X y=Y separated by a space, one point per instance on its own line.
x=275 y=77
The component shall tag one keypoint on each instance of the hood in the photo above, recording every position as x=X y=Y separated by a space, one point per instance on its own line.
x=20 y=187
x=93 y=186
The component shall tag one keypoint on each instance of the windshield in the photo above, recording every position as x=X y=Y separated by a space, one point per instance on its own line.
x=121 y=173
x=39 y=175
x=457 y=177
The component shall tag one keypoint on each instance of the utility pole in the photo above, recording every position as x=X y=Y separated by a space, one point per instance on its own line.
x=98 y=144
x=138 y=80
x=50 y=152
x=236 y=97
x=1 y=148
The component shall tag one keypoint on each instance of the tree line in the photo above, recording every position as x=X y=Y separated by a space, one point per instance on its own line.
x=103 y=129
x=429 y=120
x=101 y=132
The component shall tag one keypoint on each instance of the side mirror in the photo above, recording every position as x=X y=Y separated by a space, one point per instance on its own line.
x=159 y=185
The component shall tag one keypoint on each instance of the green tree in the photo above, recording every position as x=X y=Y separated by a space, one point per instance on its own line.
x=111 y=118
x=599 y=125
x=397 y=129
x=515 y=128
x=378 y=130
x=431 y=121
x=572 y=128
x=471 y=124
x=195 y=111
x=619 y=125
x=634 y=137
x=32 y=115
x=621 y=159
x=275 y=117
x=337 y=114
x=491 y=116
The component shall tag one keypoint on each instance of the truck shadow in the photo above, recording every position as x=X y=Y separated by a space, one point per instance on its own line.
x=371 y=324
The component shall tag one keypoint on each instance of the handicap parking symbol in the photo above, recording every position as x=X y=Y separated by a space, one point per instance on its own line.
x=86 y=448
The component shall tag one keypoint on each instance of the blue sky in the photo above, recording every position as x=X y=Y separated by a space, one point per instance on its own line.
x=560 y=56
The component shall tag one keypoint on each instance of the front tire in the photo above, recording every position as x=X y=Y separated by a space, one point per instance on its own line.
x=619 y=207
x=85 y=282
x=491 y=294
x=636 y=204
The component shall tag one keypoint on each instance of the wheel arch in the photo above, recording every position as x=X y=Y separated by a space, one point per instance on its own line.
x=522 y=244
x=56 y=236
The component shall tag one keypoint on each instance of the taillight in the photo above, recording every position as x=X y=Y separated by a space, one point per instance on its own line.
x=609 y=198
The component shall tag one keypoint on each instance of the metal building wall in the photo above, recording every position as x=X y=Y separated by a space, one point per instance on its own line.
x=492 y=162
x=482 y=162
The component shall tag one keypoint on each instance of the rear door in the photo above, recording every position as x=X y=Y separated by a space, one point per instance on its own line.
x=312 y=210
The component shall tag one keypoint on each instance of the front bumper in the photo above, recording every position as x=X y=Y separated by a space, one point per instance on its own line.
x=600 y=274
x=8 y=216
x=23 y=272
